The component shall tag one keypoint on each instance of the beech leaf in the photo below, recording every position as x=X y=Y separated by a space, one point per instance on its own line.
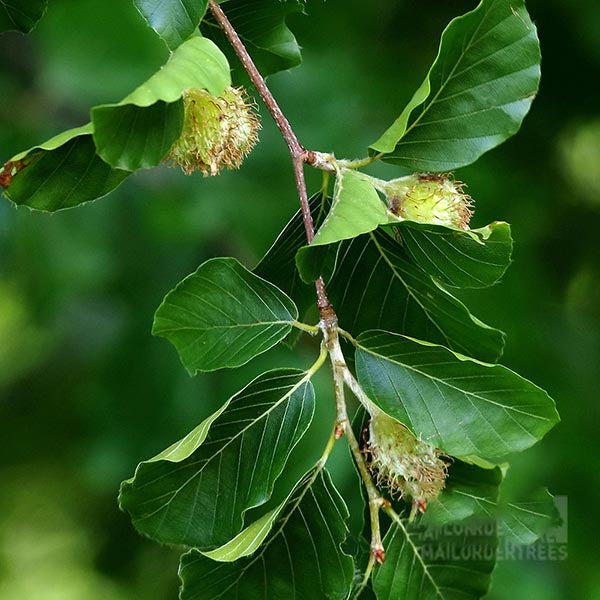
x=197 y=491
x=21 y=15
x=174 y=20
x=222 y=315
x=301 y=557
x=464 y=259
x=376 y=285
x=475 y=95
x=468 y=409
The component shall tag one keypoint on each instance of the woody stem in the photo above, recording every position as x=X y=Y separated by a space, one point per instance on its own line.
x=342 y=375
x=298 y=153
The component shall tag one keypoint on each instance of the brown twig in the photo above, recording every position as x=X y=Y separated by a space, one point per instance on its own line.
x=299 y=154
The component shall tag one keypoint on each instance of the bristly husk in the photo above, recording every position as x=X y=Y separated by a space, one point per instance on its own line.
x=218 y=132
x=403 y=464
x=436 y=199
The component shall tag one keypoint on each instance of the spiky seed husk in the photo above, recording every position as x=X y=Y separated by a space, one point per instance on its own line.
x=217 y=131
x=403 y=464
x=437 y=199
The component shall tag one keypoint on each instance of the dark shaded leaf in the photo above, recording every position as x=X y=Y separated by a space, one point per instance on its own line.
x=525 y=521
x=474 y=259
x=278 y=265
x=21 y=15
x=470 y=490
x=132 y=138
x=197 y=491
x=377 y=286
x=70 y=174
x=473 y=492
x=300 y=559
x=455 y=565
x=261 y=24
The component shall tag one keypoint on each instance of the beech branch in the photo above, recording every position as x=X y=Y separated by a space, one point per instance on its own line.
x=298 y=153
x=328 y=325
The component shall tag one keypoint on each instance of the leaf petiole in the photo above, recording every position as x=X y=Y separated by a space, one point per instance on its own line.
x=359 y=163
x=318 y=363
x=347 y=335
x=312 y=329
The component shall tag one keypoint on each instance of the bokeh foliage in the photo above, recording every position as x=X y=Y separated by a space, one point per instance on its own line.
x=86 y=392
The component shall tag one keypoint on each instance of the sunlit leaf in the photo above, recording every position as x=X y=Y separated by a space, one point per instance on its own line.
x=476 y=94
x=301 y=558
x=174 y=20
x=474 y=259
x=21 y=15
x=377 y=286
x=197 y=491
x=248 y=540
x=464 y=407
x=356 y=209
x=137 y=132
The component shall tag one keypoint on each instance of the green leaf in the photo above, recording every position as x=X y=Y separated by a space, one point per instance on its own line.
x=248 y=540
x=465 y=259
x=21 y=15
x=197 y=491
x=173 y=20
x=66 y=171
x=129 y=137
x=62 y=173
x=54 y=142
x=377 y=286
x=223 y=316
x=315 y=261
x=137 y=132
x=278 y=265
x=470 y=491
x=473 y=492
x=356 y=209
x=261 y=24
x=301 y=558
x=475 y=95
x=464 y=407
x=449 y=567
x=526 y=521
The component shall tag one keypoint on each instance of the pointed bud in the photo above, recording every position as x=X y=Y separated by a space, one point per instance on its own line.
x=430 y=198
x=217 y=131
x=403 y=464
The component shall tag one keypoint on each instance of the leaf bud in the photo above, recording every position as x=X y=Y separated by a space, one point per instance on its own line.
x=217 y=131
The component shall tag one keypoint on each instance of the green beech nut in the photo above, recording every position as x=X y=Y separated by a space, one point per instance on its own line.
x=405 y=465
x=430 y=198
x=217 y=131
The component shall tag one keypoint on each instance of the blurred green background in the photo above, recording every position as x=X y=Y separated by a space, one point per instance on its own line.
x=86 y=392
